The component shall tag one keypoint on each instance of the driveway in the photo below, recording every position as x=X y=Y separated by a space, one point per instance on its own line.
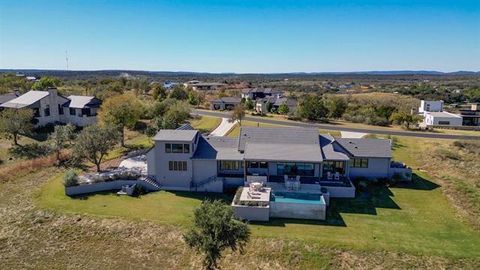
x=342 y=128
x=223 y=128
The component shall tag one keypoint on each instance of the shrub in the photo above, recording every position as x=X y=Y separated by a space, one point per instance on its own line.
x=138 y=190
x=70 y=179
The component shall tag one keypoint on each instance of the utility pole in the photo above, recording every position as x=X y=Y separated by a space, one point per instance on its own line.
x=66 y=58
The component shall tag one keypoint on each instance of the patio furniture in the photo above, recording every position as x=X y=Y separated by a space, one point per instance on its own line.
x=337 y=176
x=329 y=176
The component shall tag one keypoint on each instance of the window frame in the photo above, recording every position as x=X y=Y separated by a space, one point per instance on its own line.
x=359 y=163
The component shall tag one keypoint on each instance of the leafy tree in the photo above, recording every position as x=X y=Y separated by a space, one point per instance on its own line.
x=46 y=82
x=312 y=108
x=9 y=82
x=121 y=111
x=283 y=109
x=336 y=106
x=159 y=92
x=473 y=94
x=193 y=98
x=405 y=119
x=178 y=92
x=94 y=142
x=14 y=122
x=216 y=230
x=249 y=104
x=60 y=138
x=269 y=107
x=176 y=115
x=238 y=113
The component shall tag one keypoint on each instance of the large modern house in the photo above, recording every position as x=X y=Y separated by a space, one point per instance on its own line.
x=49 y=107
x=297 y=160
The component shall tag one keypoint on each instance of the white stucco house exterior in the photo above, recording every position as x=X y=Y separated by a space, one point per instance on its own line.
x=49 y=107
x=434 y=115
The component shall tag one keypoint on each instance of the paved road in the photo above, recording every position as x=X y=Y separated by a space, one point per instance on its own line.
x=341 y=128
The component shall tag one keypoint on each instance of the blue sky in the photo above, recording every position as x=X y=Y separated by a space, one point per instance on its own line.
x=241 y=36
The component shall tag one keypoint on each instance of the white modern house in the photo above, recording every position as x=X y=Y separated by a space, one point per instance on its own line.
x=49 y=107
x=434 y=115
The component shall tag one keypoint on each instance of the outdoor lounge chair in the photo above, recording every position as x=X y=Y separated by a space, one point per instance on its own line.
x=337 y=176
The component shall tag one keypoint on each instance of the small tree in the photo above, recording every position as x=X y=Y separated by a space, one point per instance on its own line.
x=238 y=113
x=159 y=92
x=216 y=230
x=94 y=142
x=14 y=122
x=178 y=92
x=46 y=82
x=249 y=104
x=121 y=111
x=405 y=119
x=60 y=138
x=336 y=106
x=70 y=178
x=176 y=115
x=283 y=109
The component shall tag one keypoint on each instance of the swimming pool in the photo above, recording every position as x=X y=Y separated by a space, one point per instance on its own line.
x=294 y=197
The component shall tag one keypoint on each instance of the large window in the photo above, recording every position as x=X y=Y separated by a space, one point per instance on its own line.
x=303 y=169
x=229 y=165
x=73 y=111
x=359 y=163
x=86 y=112
x=334 y=166
x=177 y=165
x=46 y=111
x=177 y=148
x=60 y=109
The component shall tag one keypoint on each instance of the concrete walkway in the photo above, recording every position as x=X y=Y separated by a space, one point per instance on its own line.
x=224 y=127
x=352 y=135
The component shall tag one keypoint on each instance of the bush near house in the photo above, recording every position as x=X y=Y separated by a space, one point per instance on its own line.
x=70 y=179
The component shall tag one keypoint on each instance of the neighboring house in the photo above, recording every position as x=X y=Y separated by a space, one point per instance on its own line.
x=7 y=97
x=187 y=160
x=433 y=115
x=442 y=119
x=430 y=106
x=198 y=85
x=256 y=93
x=225 y=103
x=80 y=110
x=263 y=105
x=49 y=107
x=471 y=116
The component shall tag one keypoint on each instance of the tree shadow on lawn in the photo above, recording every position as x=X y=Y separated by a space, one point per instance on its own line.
x=418 y=183
x=365 y=202
x=202 y=196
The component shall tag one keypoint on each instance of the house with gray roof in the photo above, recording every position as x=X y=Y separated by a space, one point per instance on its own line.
x=188 y=160
x=225 y=103
x=49 y=107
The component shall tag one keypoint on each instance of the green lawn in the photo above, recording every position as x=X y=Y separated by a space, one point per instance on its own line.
x=205 y=123
x=415 y=219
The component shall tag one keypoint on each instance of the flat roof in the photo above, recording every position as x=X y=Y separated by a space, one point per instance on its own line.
x=444 y=114
x=175 y=135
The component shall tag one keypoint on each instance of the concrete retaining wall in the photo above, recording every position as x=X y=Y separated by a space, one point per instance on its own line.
x=341 y=192
x=251 y=213
x=298 y=210
x=105 y=186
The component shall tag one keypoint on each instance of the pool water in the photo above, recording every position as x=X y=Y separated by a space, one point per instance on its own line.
x=293 y=197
